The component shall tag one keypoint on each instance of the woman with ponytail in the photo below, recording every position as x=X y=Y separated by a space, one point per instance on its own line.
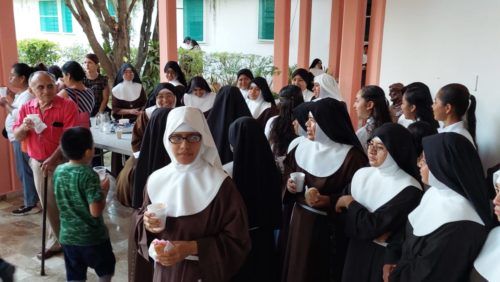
x=417 y=105
x=456 y=107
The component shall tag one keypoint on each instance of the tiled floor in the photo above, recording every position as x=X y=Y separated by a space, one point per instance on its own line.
x=20 y=241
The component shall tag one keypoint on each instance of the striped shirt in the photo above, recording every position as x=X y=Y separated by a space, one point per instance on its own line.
x=84 y=99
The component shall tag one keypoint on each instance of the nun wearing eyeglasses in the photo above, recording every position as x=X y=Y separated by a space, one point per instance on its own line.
x=206 y=222
x=486 y=264
x=381 y=197
x=329 y=158
x=448 y=228
x=260 y=101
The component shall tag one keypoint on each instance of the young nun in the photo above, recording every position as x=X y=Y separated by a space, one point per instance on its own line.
x=199 y=95
x=229 y=105
x=456 y=107
x=128 y=96
x=259 y=182
x=164 y=97
x=279 y=129
x=326 y=86
x=329 y=159
x=316 y=67
x=448 y=228
x=305 y=80
x=300 y=117
x=243 y=79
x=372 y=107
x=175 y=76
x=417 y=105
x=260 y=101
x=206 y=219
x=153 y=157
x=486 y=264
x=381 y=197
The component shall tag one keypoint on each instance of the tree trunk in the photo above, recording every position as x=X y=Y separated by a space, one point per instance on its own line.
x=115 y=49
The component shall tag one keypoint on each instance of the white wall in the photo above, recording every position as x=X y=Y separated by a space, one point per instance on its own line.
x=439 y=42
x=27 y=20
x=232 y=26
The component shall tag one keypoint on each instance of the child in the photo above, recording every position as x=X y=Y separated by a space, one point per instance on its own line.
x=81 y=199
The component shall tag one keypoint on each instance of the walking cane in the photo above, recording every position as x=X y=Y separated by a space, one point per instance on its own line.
x=44 y=223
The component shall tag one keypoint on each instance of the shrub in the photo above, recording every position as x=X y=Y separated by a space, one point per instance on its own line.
x=75 y=52
x=34 y=51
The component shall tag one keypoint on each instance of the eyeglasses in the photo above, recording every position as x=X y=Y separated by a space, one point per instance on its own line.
x=178 y=139
x=375 y=147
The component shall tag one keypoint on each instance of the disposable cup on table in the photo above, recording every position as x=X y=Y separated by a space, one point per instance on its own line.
x=160 y=212
x=298 y=179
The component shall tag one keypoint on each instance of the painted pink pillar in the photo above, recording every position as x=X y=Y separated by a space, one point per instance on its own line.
x=167 y=13
x=8 y=56
x=351 y=52
x=281 y=42
x=304 y=33
x=335 y=37
x=375 y=42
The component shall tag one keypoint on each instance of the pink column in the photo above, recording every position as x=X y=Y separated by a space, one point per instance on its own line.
x=167 y=12
x=281 y=42
x=335 y=37
x=304 y=33
x=8 y=56
x=375 y=42
x=351 y=52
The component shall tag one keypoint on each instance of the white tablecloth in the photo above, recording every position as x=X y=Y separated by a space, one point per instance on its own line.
x=109 y=141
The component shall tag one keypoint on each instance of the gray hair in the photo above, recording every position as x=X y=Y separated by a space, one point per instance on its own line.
x=37 y=73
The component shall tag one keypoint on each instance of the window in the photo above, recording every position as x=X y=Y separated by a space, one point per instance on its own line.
x=266 y=19
x=49 y=20
x=49 y=16
x=193 y=19
x=67 y=18
x=111 y=8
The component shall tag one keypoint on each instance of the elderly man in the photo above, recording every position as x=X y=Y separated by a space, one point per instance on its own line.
x=40 y=125
x=396 y=94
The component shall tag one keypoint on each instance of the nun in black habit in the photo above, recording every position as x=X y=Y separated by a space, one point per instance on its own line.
x=260 y=101
x=448 y=228
x=153 y=156
x=381 y=197
x=259 y=181
x=328 y=158
x=229 y=105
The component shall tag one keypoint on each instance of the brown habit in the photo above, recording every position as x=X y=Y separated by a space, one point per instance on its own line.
x=311 y=254
x=221 y=231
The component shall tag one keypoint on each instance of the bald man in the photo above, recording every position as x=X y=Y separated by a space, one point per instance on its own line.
x=40 y=125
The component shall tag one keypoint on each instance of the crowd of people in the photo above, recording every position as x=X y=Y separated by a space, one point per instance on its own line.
x=240 y=185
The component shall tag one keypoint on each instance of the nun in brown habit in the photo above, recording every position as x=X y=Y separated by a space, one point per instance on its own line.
x=153 y=157
x=329 y=157
x=206 y=219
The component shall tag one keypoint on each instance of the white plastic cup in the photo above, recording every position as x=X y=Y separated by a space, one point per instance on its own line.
x=160 y=212
x=101 y=171
x=298 y=179
x=3 y=91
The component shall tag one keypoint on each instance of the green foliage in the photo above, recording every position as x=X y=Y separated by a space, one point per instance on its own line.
x=34 y=51
x=217 y=68
x=191 y=62
x=75 y=52
x=151 y=75
x=222 y=67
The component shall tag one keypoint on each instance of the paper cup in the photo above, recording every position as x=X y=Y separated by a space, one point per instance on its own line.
x=160 y=211
x=34 y=117
x=298 y=179
x=101 y=171
x=3 y=91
